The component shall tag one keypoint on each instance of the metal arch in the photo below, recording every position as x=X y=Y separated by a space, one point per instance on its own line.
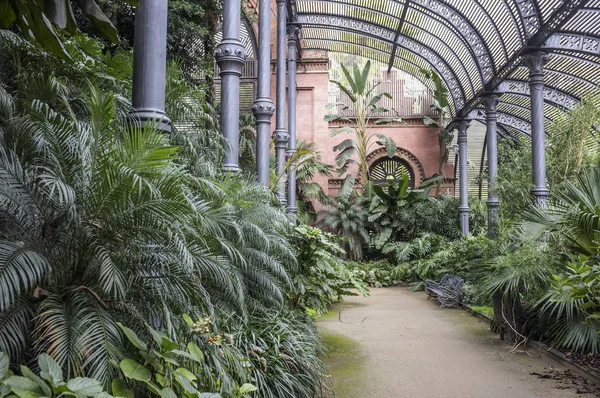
x=378 y=32
x=584 y=44
x=556 y=21
x=551 y=95
x=520 y=107
x=572 y=76
x=470 y=34
x=386 y=35
x=503 y=118
x=530 y=12
x=421 y=79
x=457 y=32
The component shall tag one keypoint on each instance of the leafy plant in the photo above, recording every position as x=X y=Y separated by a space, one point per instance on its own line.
x=572 y=308
x=384 y=210
x=323 y=279
x=346 y=217
x=364 y=105
x=376 y=273
x=439 y=107
x=50 y=382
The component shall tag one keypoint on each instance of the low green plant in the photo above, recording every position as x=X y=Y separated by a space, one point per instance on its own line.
x=50 y=382
x=572 y=306
x=322 y=278
x=375 y=273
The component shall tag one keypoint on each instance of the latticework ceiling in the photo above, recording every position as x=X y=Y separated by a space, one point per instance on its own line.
x=476 y=46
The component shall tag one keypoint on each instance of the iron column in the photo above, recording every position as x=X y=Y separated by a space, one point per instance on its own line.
x=263 y=108
x=230 y=56
x=291 y=151
x=491 y=116
x=535 y=62
x=462 y=126
x=150 y=65
x=280 y=135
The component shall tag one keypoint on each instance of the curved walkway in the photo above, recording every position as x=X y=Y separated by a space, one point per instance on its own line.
x=408 y=347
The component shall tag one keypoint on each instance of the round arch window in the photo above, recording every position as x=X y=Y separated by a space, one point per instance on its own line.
x=390 y=168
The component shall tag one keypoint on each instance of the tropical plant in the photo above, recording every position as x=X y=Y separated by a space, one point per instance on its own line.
x=385 y=207
x=323 y=279
x=572 y=216
x=37 y=21
x=571 y=307
x=364 y=107
x=50 y=382
x=375 y=273
x=573 y=141
x=346 y=217
x=440 y=108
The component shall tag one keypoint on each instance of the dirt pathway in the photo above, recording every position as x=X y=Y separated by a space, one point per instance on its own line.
x=408 y=347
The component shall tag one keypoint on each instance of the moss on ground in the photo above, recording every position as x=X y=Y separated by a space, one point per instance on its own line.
x=345 y=363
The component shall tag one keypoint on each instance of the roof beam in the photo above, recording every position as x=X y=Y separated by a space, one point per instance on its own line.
x=555 y=22
x=398 y=32
x=583 y=44
x=505 y=119
x=551 y=95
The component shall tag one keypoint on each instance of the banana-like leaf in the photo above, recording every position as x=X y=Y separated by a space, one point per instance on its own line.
x=349 y=91
x=344 y=156
x=348 y=143
x=341 y=130
x=100 y=21
x=7 y=14
x=61 y=14
x=390 y=144
x=351 y=81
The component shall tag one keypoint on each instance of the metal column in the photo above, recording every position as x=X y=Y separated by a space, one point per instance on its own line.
x=280 y=135
x=535 y=62
x=263 y=108
x=292 y=32
x=150 y=65
x=230 y=56
x=491 y=117
x=462 y=126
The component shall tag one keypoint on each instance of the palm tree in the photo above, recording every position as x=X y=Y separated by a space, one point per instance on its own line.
x=346 y=217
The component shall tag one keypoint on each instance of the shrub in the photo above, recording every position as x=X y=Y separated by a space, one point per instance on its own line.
x=322 y=278
x=375 y=273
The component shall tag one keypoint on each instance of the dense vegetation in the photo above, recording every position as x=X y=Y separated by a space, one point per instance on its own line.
x=128 y=263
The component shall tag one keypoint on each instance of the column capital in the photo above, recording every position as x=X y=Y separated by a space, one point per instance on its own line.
x=535 y=62
x=491 y=101
x=462 y=125
x=281 y=2
x=292 y=34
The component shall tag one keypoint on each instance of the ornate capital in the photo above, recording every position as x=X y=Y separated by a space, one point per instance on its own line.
x=462 y=125
x=490 y=102
x=263 y=109
x=535 y=62
x=292 y=35
x=150 y=117
x=230 y=56
x=281 y=138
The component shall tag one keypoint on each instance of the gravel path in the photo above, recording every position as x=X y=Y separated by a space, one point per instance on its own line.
x=408 y=347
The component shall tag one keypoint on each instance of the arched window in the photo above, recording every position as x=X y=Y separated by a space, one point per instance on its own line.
x=393 y=168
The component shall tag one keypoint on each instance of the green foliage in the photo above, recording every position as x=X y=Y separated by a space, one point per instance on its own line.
x=375 y=273
x=104 y=223
x=363 y=106
x=440 y=108
x=38 y=21
x=50 y=382
x=513 y=183
x=322 y=279
x=346 y=217
x=572 y=217
x=572 y=308
x=388 y=206
x=573 y=142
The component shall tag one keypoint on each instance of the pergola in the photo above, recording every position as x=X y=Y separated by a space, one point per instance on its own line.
x=513 y=65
